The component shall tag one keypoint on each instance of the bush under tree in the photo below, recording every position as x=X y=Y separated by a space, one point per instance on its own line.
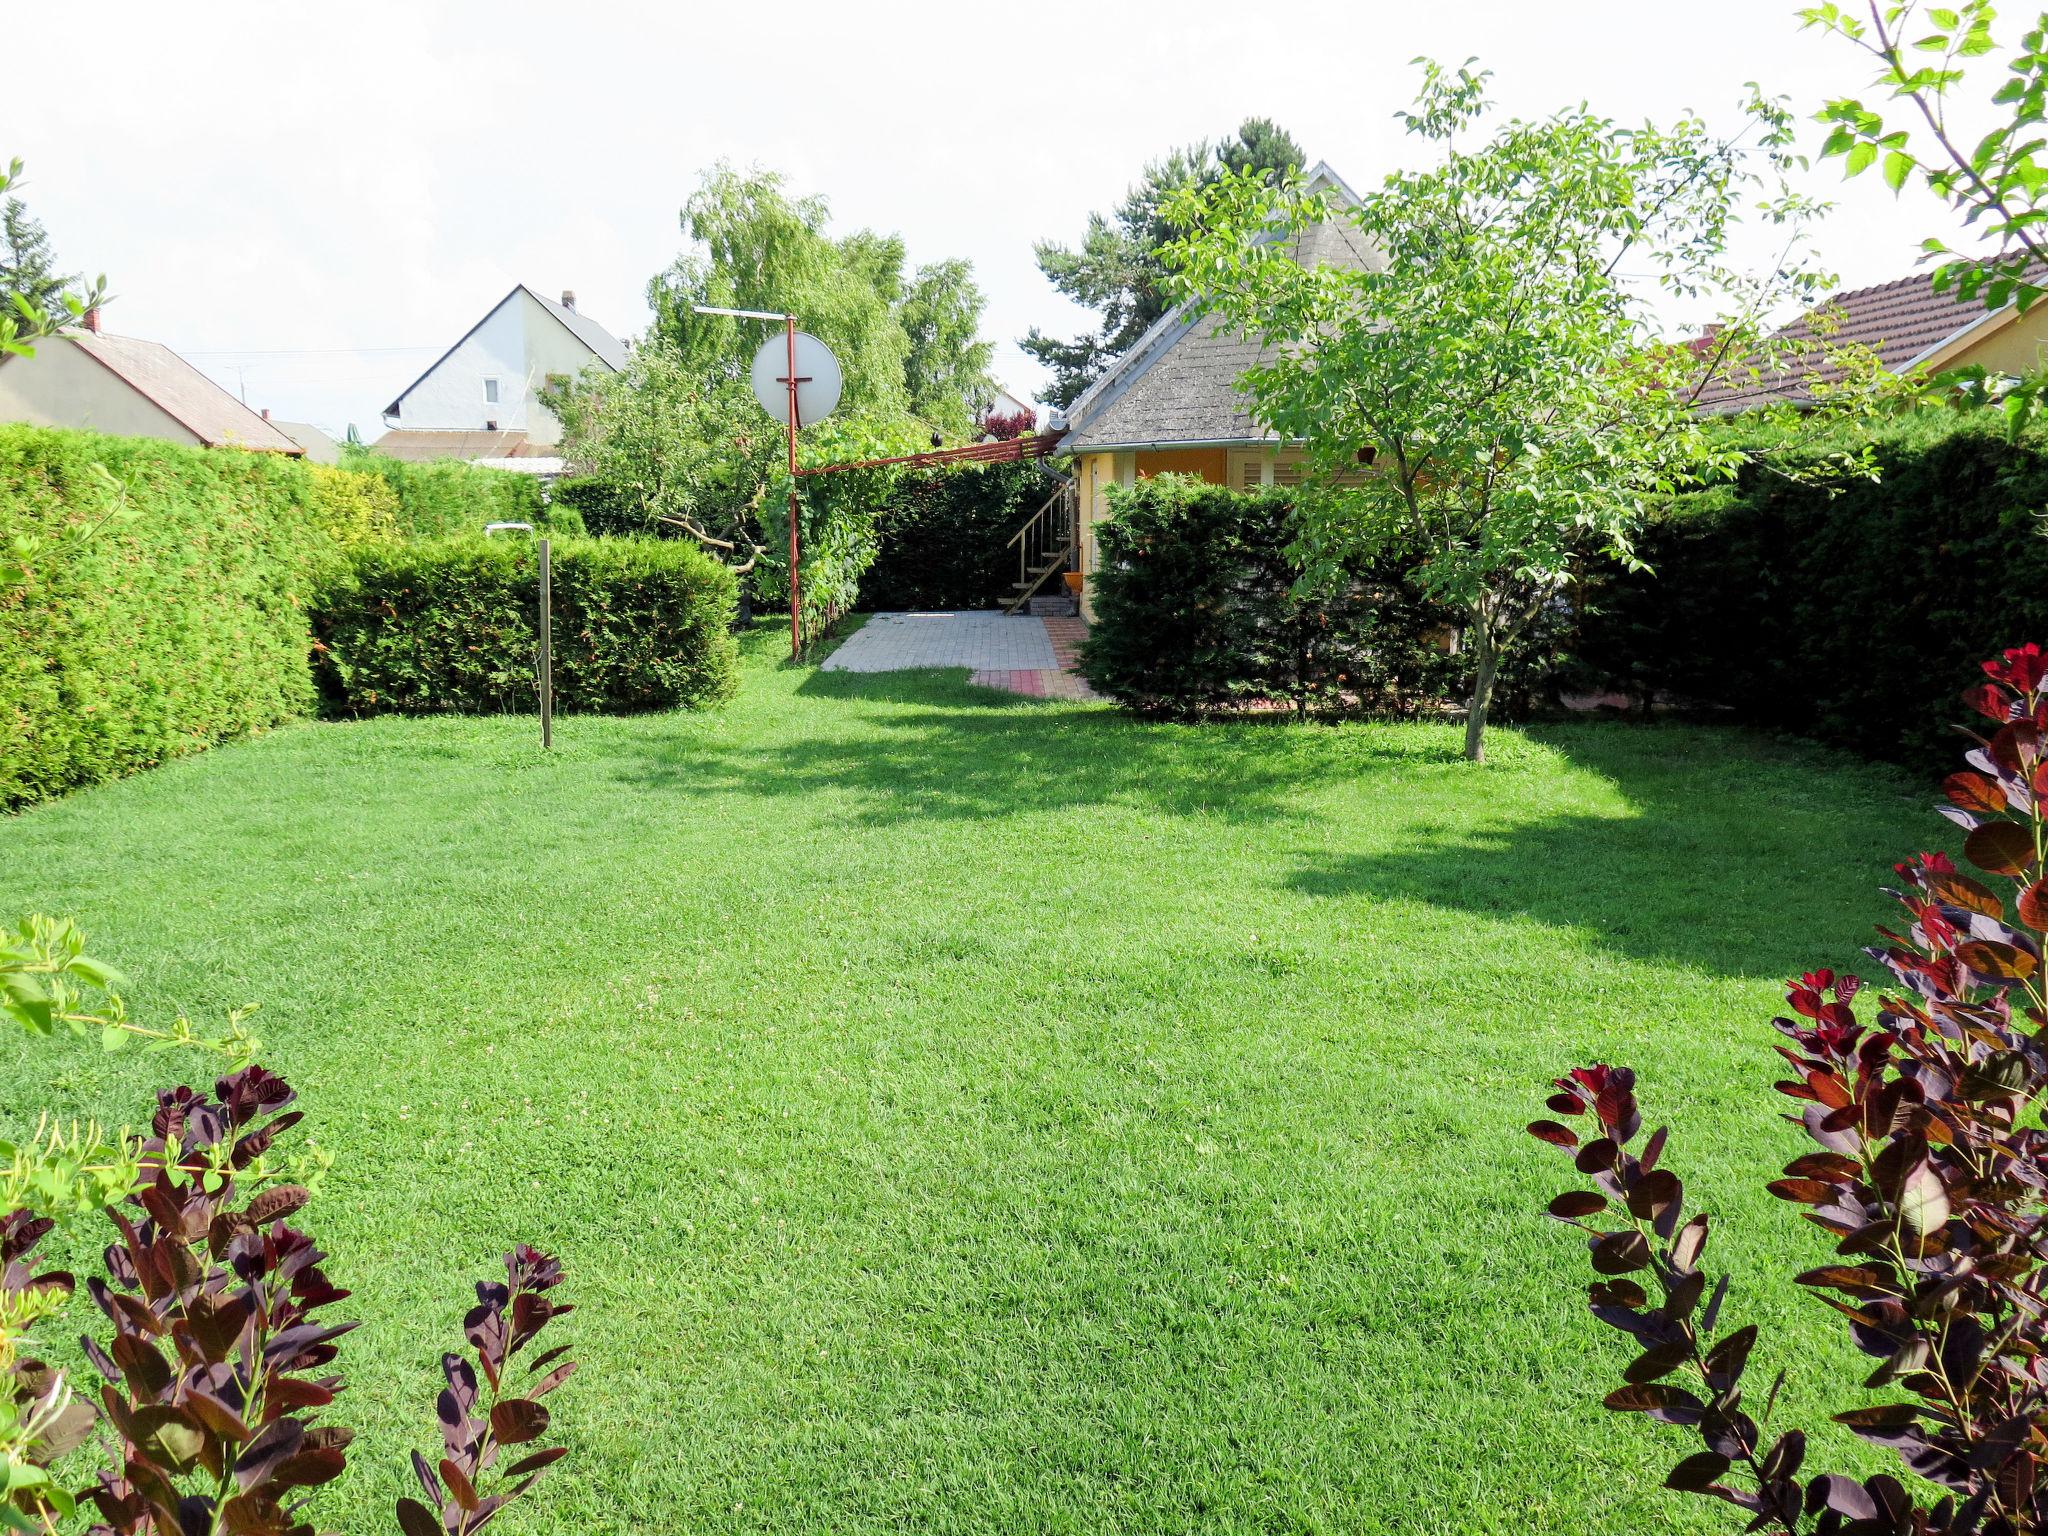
x=1203 y=602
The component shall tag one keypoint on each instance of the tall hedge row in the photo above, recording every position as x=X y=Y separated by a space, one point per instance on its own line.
x=180 y=621
x=444 y=497
x=1197 y=608
x=155 y=599
x=449 y=626
x=1850 y=610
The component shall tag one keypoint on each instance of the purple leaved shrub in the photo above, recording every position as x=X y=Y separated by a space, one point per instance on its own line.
x=219 y=1366
x=1929 y=1179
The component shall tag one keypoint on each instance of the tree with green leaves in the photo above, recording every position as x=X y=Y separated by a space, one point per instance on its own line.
x=36 y=300
x=1117 y=270
x=758 y=247
x=1998 y=184
x=1498 y=372
x=905 y=346
x=946 y=369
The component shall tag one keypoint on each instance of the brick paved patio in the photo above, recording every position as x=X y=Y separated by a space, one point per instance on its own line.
x=1019 y=654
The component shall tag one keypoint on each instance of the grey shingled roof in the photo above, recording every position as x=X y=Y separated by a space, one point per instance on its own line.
x=608 y=348
x=1178 y=382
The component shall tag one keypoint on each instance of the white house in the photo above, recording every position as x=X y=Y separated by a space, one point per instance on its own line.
x=486 y=396
x=129 y=388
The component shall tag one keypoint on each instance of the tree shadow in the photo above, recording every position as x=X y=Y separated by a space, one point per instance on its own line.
x=917 y=745
x=1727 y=851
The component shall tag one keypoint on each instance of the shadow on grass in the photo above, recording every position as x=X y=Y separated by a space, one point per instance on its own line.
x=912 y=746
x=1703 y=846
x=1732 y=852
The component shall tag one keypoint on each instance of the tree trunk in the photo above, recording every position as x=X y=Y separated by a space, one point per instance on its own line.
x=1485 y=663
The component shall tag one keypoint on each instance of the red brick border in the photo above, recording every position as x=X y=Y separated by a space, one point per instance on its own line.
x=1063 y=682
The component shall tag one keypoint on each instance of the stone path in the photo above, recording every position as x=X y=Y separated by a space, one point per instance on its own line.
x=1060 y=681
x=896 y=642
x=1020 y=654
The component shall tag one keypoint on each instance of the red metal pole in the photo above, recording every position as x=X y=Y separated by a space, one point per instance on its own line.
x=796 y=645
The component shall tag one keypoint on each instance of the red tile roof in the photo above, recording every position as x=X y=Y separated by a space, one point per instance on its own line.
x=1899 y=321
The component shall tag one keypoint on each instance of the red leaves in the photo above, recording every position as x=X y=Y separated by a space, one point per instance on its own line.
x=2000 y=848
x=508 y=1314
x=1974 y=792
x=2020 y=669
x=1620 y=1253
x=1931 y=1177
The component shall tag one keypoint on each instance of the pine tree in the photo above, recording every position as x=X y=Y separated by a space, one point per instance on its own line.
x=1117 y=271
x=27 y=264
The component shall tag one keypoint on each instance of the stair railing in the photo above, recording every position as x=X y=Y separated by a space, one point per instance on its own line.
x=1046 y=532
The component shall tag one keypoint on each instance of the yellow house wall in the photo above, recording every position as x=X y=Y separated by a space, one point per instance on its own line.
x=2018 y=347
x=1095 y=473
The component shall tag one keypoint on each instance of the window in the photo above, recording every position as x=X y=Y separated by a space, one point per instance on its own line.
x=490 y=391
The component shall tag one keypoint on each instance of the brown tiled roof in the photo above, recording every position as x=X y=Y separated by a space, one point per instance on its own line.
x=1898 y=321
x=209 y=412
x=421 y=445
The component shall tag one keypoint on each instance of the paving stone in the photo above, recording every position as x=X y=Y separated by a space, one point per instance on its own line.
x=897 y=642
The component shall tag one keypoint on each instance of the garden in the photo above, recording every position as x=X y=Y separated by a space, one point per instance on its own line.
x=1500 y=871
x=981 y=1114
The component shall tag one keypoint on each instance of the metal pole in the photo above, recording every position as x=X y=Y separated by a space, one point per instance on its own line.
x=547 y=653
x=796 y=643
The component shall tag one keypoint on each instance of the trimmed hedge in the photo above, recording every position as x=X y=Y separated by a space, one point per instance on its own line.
x=181 y=620
x=1853 y=611
x=945 y=538
x=446 y=497
x=604 y=509
x=1196 y=609
x=448 y=626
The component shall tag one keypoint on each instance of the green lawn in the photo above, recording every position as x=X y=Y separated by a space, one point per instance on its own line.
x=965 y=1113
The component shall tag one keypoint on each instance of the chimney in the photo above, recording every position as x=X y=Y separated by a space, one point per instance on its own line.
x=568 y=298
x=266 y=413
x=92 y=319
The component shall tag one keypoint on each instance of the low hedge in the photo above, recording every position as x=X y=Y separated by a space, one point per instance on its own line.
x=179 y=621
x=1196 y=608
x=945 y=538
x=447 y=625
x=1849 y=610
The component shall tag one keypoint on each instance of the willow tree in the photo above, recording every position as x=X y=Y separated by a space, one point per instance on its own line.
x=1498 y=365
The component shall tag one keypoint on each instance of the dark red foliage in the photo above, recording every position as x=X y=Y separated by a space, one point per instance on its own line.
x=215 y=1373
x=469 y=1486
x=1005 y=426
x=1929 y=1181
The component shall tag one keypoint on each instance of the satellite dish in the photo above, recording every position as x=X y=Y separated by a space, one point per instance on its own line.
x=817 y=372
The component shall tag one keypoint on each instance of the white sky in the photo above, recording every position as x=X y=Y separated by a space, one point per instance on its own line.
x=312 y=202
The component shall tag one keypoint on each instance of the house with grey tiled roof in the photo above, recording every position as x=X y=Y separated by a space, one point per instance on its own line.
x=1904 y=325
x=1173 y=404
x=488 y=395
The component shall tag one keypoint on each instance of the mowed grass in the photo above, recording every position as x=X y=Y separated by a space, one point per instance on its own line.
x=969 y=1114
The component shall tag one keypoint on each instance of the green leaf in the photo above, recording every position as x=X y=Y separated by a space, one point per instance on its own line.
x=1898 y=165
x=1860 y=158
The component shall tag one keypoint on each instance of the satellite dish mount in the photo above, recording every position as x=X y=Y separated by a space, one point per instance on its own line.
x=797 y=381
